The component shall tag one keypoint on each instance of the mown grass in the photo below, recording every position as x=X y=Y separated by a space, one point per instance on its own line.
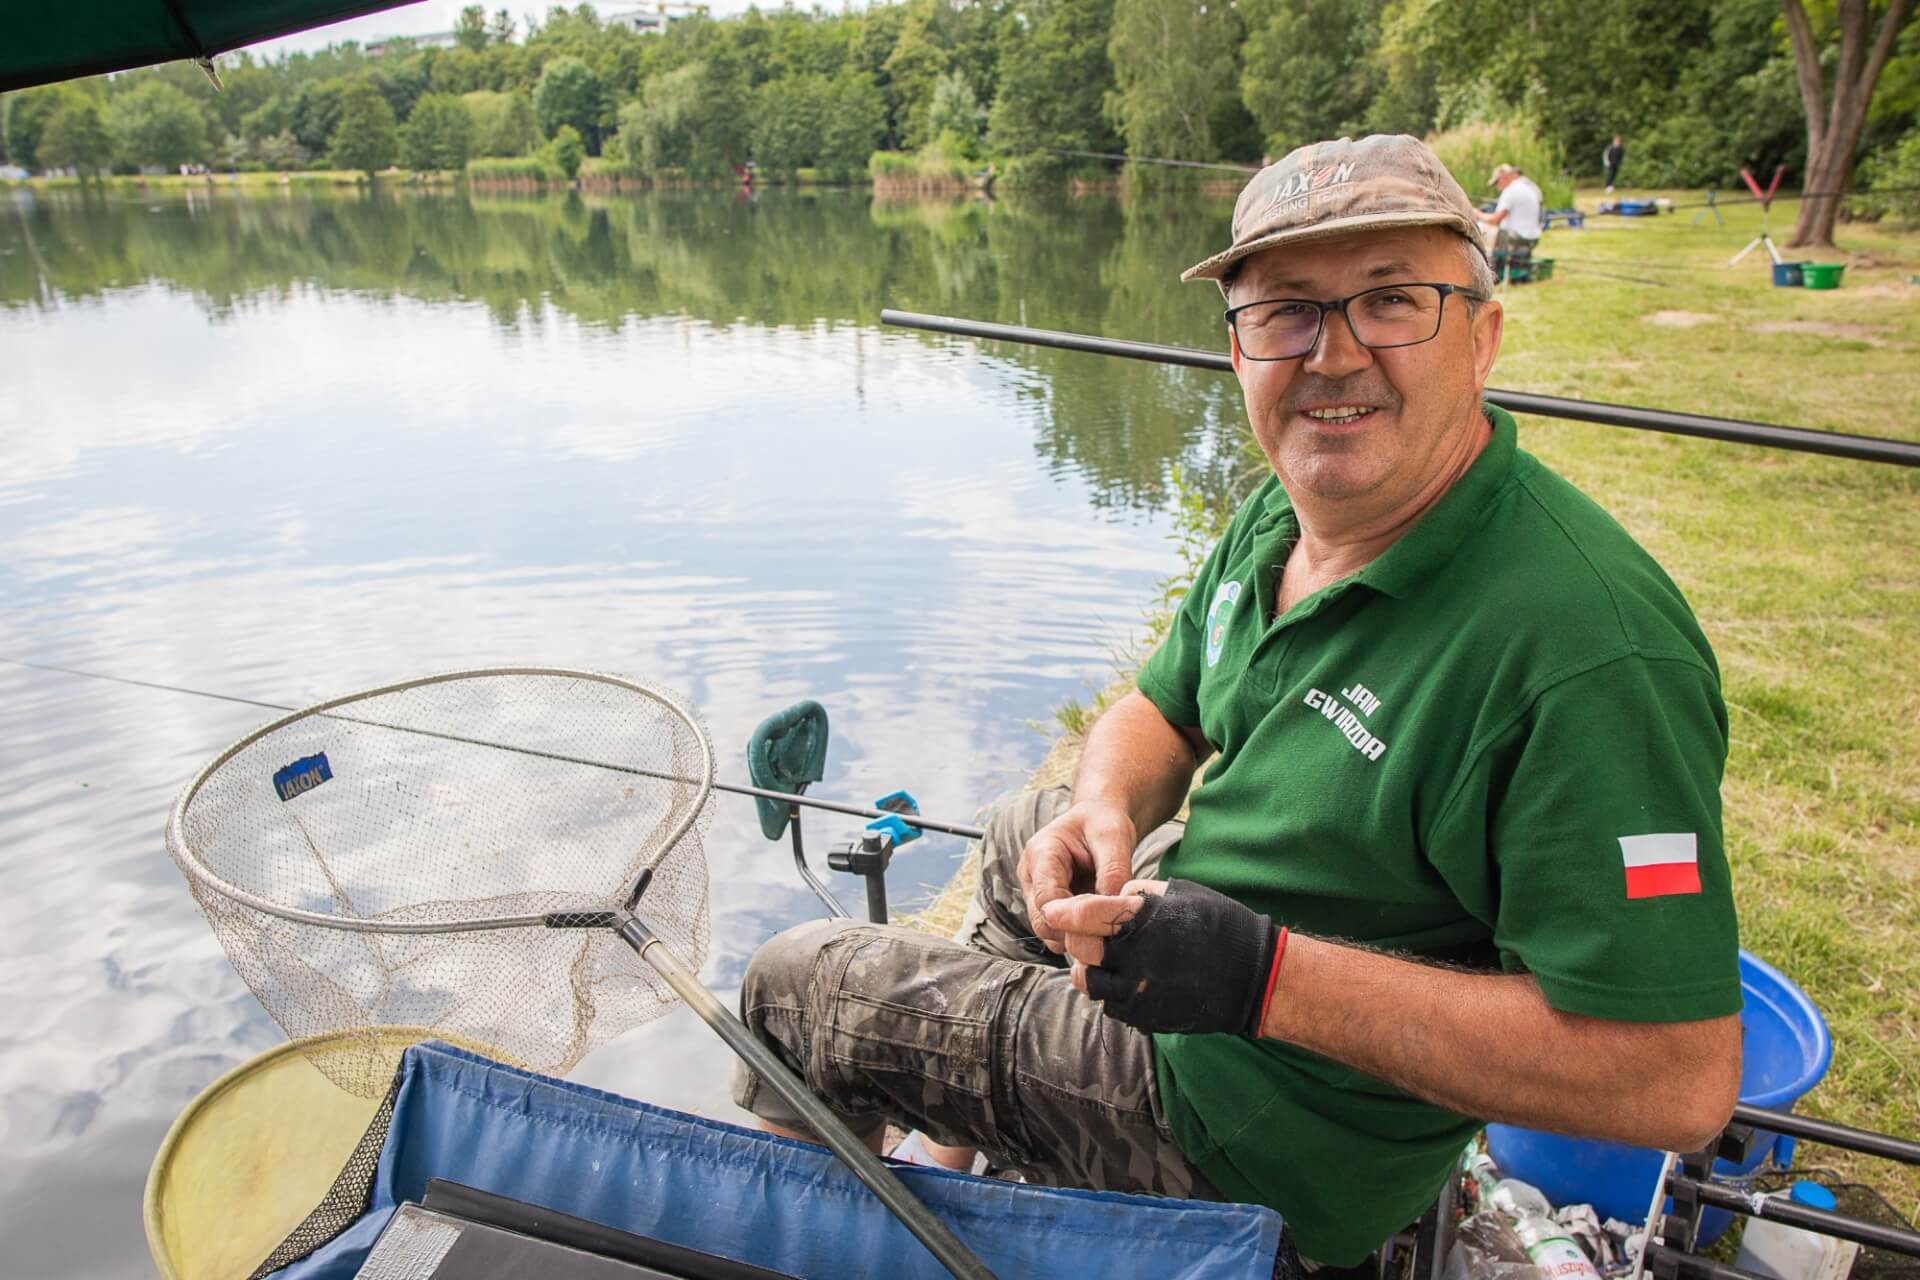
x=1804 y=570
x=1805 y=573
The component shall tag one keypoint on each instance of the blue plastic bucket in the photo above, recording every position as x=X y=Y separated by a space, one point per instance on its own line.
x=1786 y=1050
x=1786 y=275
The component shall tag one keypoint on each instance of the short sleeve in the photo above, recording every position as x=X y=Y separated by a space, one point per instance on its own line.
x=1588 y=835
x=1170 y=678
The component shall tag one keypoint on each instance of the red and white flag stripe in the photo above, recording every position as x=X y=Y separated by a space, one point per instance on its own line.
x=1661 y=864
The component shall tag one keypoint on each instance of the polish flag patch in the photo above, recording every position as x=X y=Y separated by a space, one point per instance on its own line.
x=1662 y=864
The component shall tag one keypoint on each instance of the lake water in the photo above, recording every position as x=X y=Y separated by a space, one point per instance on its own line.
x=287 y=446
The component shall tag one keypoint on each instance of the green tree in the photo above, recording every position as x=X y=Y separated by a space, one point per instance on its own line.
x=653 y=128
x=1054 y=77
x=366 y=137
x=567 y=152
x=856 y=121
x=570 y=93
x=788 y=118
x=1835 y=120
x=470 y=28
x=919 y=57
x=872 y=46
x=23 y=118
x=458 y=71
x=500 y=30
x=159 y=125
x=1174 y=73
x=503 y=123
x=1308 y=68
x=282 y=151
x=955 y=110
x=316 y=113
x=76 y=136
x=438 y=135
x=269 y=118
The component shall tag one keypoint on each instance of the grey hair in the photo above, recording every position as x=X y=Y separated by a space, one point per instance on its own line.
x=1480 y=277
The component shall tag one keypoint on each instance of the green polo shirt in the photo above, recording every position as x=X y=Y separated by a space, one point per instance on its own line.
x=1499 y=744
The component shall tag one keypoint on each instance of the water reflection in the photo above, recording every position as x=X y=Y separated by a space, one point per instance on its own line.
x=1094 y=264
x=288 y=447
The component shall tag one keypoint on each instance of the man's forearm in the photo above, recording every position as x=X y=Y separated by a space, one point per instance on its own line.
x=1135 y=759
x=1489 y=1046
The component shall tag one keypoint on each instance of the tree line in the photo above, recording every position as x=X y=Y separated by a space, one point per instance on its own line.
x=1698 y=88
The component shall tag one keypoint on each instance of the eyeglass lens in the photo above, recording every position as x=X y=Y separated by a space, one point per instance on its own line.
x=1394 y=316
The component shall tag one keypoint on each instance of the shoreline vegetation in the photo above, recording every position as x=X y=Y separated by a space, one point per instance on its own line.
x=927 y=95
x=889 y=173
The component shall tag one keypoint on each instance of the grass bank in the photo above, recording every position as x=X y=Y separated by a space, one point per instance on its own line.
x=1805 y=572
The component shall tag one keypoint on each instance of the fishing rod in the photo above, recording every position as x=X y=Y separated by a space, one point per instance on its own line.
x=1182 y=164
x=1612 y=275
x=784 y=797
x=1734 y=430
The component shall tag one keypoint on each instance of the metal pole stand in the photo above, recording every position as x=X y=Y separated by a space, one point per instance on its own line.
x=1762 y=239
x=868 y=857
x=1765 y=197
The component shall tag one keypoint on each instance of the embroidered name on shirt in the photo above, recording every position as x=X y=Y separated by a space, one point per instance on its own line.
x=1345 y=721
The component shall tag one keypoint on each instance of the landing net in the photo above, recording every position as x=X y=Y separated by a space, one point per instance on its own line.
x=401 y=857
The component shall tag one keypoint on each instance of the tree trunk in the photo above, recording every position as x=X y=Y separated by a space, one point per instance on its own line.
x=1833 y=128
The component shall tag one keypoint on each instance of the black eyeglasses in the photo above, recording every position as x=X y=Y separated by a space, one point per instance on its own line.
x=1393 y=315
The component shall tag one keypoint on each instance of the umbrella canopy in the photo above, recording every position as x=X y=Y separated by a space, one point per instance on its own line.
x=45 y=42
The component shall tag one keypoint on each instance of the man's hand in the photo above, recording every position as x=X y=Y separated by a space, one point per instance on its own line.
x=1173 y=956
x=1087 y=849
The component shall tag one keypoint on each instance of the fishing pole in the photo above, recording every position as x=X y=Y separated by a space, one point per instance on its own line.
x=1182 y=164
x=1734 y=430
x=785 y=797
x=1612 y=275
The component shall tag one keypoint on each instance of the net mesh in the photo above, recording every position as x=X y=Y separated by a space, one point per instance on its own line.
x=450 y=803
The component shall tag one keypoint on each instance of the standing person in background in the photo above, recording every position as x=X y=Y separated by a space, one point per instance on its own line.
x=1517 y=216
x=1616 y=152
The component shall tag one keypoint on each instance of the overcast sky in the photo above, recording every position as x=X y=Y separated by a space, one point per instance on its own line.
x=428 y=16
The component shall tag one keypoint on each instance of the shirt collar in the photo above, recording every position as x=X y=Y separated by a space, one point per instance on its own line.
x=1438 y=535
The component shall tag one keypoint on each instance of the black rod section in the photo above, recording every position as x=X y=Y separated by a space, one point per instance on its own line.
x=1779 y=1208
x=1691 y=1266
x=1830 y=1134
x=1734 y=430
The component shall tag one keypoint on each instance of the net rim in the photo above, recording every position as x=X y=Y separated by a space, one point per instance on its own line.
x=191 y=865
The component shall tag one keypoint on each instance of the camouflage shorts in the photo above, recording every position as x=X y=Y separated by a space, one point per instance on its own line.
x=985 y=1044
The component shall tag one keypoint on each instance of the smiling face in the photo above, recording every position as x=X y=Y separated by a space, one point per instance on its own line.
x=1371 y=430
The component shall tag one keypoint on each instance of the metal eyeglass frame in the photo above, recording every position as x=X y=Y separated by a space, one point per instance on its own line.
x=1232 y=315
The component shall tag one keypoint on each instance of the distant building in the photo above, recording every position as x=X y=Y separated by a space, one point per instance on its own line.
x=653 y=19
x=437 y=40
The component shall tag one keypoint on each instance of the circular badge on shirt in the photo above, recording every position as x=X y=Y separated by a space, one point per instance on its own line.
x=1218 y=616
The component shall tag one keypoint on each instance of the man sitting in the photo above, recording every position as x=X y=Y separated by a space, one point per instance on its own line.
x=1457 y=852
x=1517 y=217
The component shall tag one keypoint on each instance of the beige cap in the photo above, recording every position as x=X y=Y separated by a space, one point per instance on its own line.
x=1500 y=171
x=1332 y=188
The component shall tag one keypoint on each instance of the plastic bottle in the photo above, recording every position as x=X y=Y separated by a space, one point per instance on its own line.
x=1775 y=1249
x=1479 y=1166
x=1519 y=1200
x=1553 y=1250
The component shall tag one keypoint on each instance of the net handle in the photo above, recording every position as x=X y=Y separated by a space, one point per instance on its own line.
x=204 y=876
